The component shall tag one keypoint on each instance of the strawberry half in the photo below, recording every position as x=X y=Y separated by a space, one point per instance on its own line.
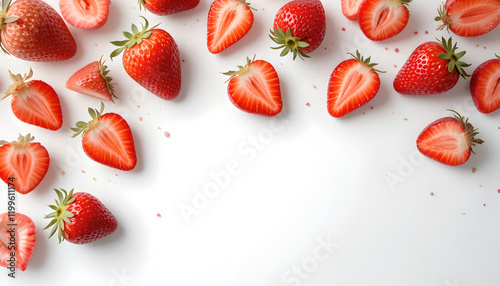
x=383 y=19
x=228 y=22
x=432 y=68
x=20 y=249
x=107 y=139
x=86 y=14
x=23 y=163
x=93 y=80
x=167 y=7
x=469 y=18
x=353 y=83
x=448 y=140
x=485 y=86
x=255 y=88
x=80 y=218
x=34 y=102
x=350 y=8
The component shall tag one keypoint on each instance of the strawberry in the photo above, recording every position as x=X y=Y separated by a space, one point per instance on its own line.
x=80 y=218
x=353 y=83
x=228 y=22
x=350 y=8
x=255 y=88
x=299 y=27
x=151 y=58
x=34 y=102
x=107 y=139
x=432 y=68
x=168 y=7
x=383 y=19
x=485 y=86
x=448 y=140
x=17 y=240
x=23 y=163
x=93 y=80
x=469 y=18
x=87 y=14
x=33 y=31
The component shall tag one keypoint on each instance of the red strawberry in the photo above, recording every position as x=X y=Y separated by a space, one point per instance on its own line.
x=151 y=58
x=469 y=18
x=93 y=80
x=168 y=7
x=35 y=102
x=353 y=83
x=350 y=8
x=383 y=19
x=299 y=27
x=80 y=218
x=33 y=31
x=255 y=88
x=88 y=14
x=17 y=240
x=448 y=140
x=485 y=86
x=228 y=22
x=23 y=163
x=107 y=139
x=432 y=68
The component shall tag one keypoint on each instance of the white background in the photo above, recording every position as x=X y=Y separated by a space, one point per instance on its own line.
x=310 y=200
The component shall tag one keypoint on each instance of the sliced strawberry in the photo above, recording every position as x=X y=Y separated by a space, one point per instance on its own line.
x=17 y=240
x=23 y=163
x=353 y=83
x=85 y=14
x=485 y=86
x=448 y=140
x=350 y=8
x=35 y=102
x=383 y=19
x=93 y=80
x=228 y=22
x=255 y=88
x=107 y=139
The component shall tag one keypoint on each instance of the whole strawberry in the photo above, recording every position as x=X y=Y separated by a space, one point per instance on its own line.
x=80 y=218
x=485 y=86
x=151 y=58
x=299 y=27
x=33 y=31
x=168 y=7
x=432 y=68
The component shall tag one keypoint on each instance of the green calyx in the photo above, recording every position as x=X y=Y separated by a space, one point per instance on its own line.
x=366 y=61
x=134 y=38
x=4 y=19
x=453 y=57
x=21 y=140
x=61 y=215
x=82 y=126
x=288 y=43
x=443 y=16
x=103 y=70
x=241 y=69
x=469 y=130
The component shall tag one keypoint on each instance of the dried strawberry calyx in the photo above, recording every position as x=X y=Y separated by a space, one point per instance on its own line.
x=19 y=83
x=288 y=43
x=241 y=69
x=453 y=57
x=443 y=16
x=83 y=126
x=61 y=214
x=103 y=71
x=134 y=38
x=366 y=61
x=21 y=140
x=470 y=131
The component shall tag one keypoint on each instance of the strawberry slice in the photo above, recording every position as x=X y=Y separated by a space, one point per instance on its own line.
x=350 y=8
x=448 y=140
x=107 y=139
x=23 y=163
x=17 y=236
x=383 y=19
x=35 y=102
x=228 y=22
x=485 y=86
x=255 y=88
x=93 y=80
x=85 y=14
x=353 y=83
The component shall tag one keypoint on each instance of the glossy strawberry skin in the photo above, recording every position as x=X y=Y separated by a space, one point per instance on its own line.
x=485 y=86
x=24 y=243
x=89 y=81
x=169 y=7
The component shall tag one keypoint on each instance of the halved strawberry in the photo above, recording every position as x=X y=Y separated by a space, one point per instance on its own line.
x=353 y=83
x=383 y=19
x=23 y=163
x=485 y=86
x=448 y=140
x=17 y=240
x=469 y=18
x=350 y=8
x=107 y=139
x=34 y=102
x=255 y=88
x=228 y=22
x=93 y=80
x=85 y=14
